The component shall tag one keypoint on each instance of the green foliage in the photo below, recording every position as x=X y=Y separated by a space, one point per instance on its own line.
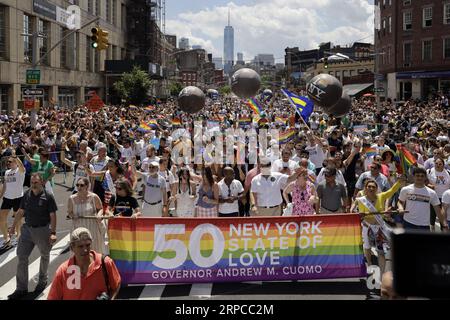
x=134 y=86
x=175 y=88
x=224 y=90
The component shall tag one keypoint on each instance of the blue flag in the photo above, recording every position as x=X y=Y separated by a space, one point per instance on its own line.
x=302 y=105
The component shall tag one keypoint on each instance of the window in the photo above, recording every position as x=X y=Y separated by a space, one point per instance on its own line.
x=447 y=48
x=4 y=98
x=97 y=61
x=44 y=29
x=27 y=41
x=63 y=46
x=407 y=52
x=88 y=54
x=3 y=53
x=427 y=17
x=447 y=13
x=97 y=8
x=108 y=10
x=390 y=24
x=91 y=6
x=427 y=50
x=407 y=20
x=389 y=55
x=114 y=12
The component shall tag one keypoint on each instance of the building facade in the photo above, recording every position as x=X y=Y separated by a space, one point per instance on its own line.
x=413 y=48
x=70 y=71
x=184 y=44
x=228 y=49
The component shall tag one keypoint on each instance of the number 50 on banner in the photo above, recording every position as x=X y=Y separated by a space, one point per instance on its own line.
x=161 y=244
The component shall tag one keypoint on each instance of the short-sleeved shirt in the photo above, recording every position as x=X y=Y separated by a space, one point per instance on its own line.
x=331 y=196
x=37 y=161
x=153 y=187
x=418 y=202
x=226 y=192
x=446 y=200
x=381 y=180
x=37 y=208
x=123 y=206
x=45 y=169
x=91 y=285
x=268 y=189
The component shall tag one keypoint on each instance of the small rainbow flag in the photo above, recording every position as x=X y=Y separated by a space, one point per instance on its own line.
x=407 y=160
x=330 y=246
x=286 y=136
x=144 y=127
x=255 y=106
x=281 y=120
x=245 y=121
x=153 y=124
x=176 y=122
x=150 y=108
x=370 y=152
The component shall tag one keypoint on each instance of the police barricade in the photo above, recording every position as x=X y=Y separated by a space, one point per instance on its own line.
x=196 y=250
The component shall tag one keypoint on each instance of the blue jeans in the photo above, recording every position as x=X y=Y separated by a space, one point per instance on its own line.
x=411 y=226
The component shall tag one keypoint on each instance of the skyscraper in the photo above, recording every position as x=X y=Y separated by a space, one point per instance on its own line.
x=228 y=48
x=184 y=44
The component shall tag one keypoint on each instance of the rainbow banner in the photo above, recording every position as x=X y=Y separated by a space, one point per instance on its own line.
x=281 y=120
x=370 y=152
x=245 y=121
x=407 y=160
x=176 y=122
x=153 y=123
x=286 y=136
x=161 y=250
x=144 y=127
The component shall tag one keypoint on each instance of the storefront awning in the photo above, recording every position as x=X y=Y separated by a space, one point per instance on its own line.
x=354 y=89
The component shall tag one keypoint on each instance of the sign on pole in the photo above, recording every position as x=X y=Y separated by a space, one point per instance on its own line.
x=33 y=92
x=33 y=76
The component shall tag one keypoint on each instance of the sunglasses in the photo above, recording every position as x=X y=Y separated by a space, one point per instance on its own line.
x=119 y=188
x=150 y=168
x=10 y=161
x=79 y=185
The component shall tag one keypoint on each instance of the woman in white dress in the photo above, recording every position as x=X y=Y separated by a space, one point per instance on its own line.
x=185 y=195
x=87 y=204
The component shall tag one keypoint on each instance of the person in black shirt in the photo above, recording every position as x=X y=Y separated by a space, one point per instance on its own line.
x=124 y=204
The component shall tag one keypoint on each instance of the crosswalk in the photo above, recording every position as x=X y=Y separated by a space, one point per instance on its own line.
x=337 y=289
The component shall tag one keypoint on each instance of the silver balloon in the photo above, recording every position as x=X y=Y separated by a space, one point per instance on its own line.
x=324 y=90
x=191 y=100
x=245 y=83
x=341 y=108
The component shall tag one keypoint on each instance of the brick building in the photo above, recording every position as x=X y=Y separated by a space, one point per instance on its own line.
x=413 y=48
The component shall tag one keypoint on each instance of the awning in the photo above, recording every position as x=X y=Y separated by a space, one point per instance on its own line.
x=423 y=75
x=354 y=89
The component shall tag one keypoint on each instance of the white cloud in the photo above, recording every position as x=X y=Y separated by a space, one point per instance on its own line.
x=269 y=26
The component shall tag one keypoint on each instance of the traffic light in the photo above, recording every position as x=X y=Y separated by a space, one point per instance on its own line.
x=325 y=63
x=99 y=39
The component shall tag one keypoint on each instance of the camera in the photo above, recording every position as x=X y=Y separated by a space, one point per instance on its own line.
x=103 y=296
x=421 y=263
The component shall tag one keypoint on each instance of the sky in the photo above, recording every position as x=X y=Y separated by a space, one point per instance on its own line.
x=269 y=26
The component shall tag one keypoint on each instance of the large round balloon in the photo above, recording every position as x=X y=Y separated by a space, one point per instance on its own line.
x=324 y=90
x=191 y=100
x=245 y=83
x=341 y=108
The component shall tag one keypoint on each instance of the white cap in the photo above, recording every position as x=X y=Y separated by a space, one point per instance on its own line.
x=154 y=164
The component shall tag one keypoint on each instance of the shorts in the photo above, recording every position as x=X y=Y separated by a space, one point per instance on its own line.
x=206 y=212
x=411 y=226
x=9 y=204
x=373 y=237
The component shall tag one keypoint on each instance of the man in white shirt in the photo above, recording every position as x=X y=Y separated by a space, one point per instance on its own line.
x=416 y=200
x=266 y=190
x=230 y=191
x=316 y=154
x=126 y=151
x=380 y=146
x=285 y=165
x=150 y=157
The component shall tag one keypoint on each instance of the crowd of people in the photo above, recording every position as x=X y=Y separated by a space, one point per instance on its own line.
x=169 y=169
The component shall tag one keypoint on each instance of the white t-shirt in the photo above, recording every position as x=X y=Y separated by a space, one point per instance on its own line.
x=418 y=202
x=145 y=163
x=316 y=155
x=80 y=172
x=268 y=189
x=224 y=192
x=279 y=164
x=339 y=177
x=127 y=153
x=440 y=180
x=14 y=184
x=169 y=177
x=446 y=200
x=100 y=165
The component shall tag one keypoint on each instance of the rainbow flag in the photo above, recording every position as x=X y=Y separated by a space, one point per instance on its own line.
x=144 y=127
x=150 y=108
x=370 y=152
x=153 y=123
x=255 y=106
x=245 y=121
x=200 y=250
x=176 y=122
x=407 y=160
x=281 y=120
x=286 y=136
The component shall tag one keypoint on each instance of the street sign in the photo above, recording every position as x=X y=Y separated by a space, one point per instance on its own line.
x=28 y=104
x=33 y=76
x=33 y=92
x=378 y=90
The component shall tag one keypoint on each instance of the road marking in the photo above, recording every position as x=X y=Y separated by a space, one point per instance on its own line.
x=33 y=269
x=152 y=292
x=201 y=290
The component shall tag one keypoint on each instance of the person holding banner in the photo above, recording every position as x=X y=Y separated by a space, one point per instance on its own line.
x=231 y=190
x=373 y=226
x=303 y=195
x=185 y=194
x=87 y=204
x=155 y=202
x=208 y=196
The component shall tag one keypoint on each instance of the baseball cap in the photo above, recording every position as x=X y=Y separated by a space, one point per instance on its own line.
x=154 y=164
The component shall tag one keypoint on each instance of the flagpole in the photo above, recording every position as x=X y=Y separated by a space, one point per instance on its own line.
x=295 y=108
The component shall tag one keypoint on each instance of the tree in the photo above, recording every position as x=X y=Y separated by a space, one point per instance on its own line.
x=134 y=86
x=224 y=90
x=175 y=88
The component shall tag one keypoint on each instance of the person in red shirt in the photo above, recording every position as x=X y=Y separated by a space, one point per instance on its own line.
x=82 y=277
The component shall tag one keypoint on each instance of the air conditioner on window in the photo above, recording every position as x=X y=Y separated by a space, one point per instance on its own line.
x=407 y=65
